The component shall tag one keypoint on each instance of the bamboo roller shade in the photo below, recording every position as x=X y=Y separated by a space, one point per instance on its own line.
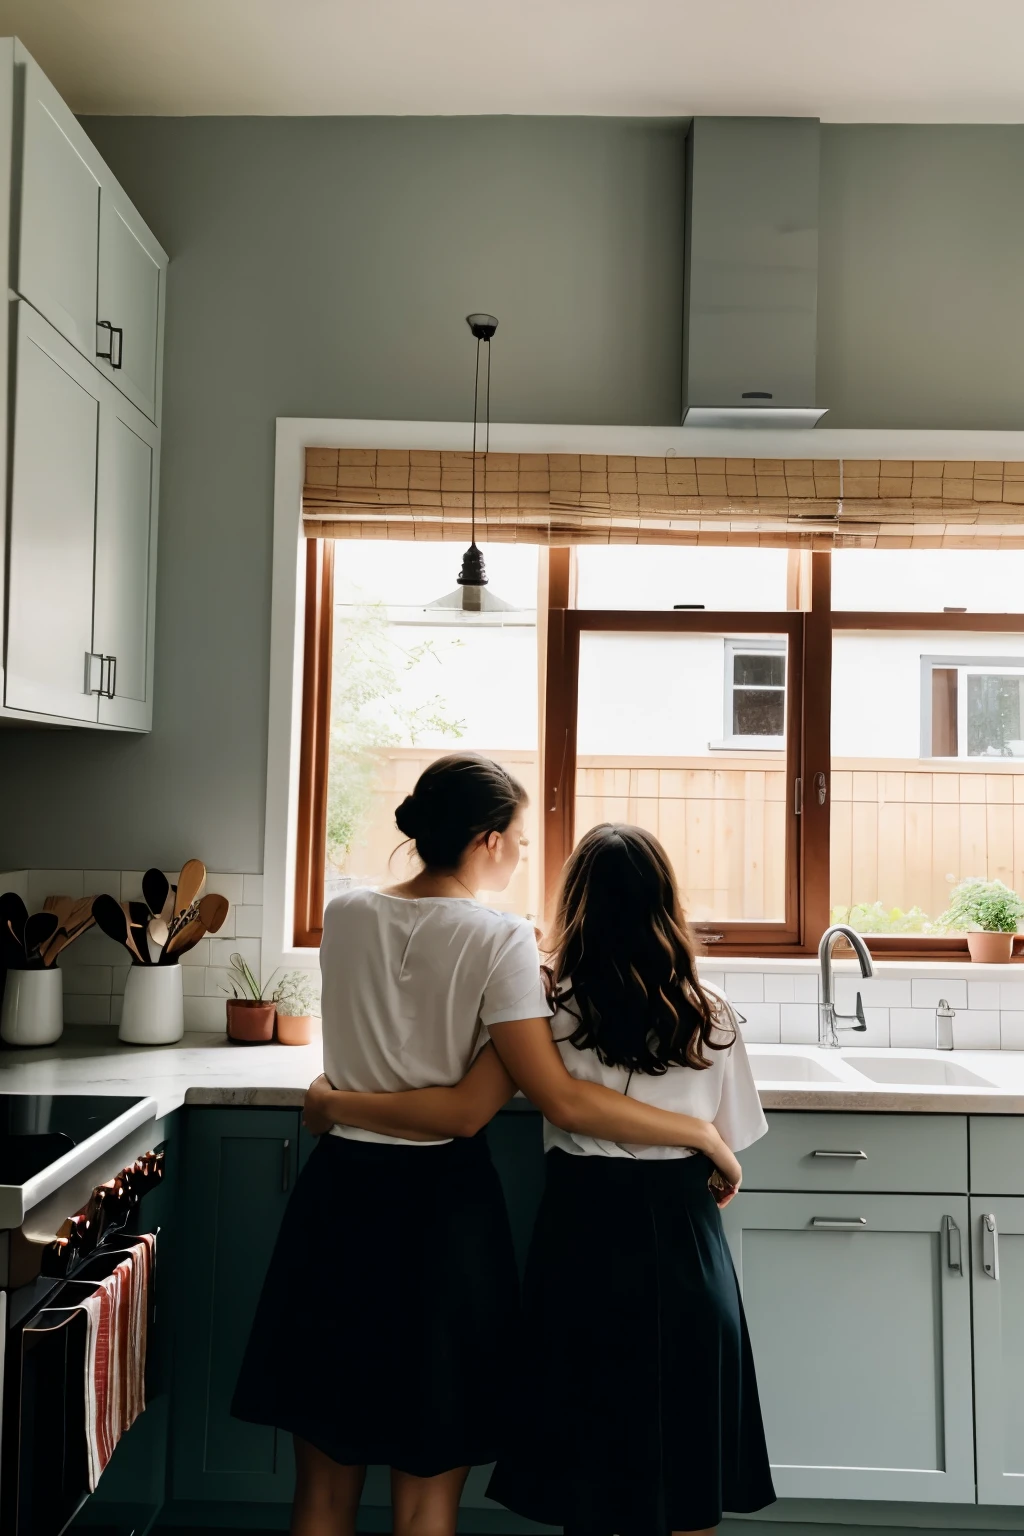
x=564 y=498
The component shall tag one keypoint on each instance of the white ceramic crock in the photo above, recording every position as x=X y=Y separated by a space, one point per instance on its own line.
x=152 y=1012
x=33 y=1011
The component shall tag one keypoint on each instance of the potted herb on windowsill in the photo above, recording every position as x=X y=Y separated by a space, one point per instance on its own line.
x=250 y=1013
x=298 y=1004
x=988 y=911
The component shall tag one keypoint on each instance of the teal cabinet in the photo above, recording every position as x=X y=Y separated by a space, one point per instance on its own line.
x=997 y=1256
x=239 y=1167
x=859 y=1309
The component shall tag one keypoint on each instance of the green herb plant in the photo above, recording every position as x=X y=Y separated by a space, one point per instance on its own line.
x=298 y=996
x=986 y=904
x=244 y=986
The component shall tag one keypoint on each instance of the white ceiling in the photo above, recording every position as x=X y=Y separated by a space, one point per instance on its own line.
x=955 y=61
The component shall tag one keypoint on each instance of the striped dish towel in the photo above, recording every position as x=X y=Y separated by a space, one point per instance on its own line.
x=115 y=1355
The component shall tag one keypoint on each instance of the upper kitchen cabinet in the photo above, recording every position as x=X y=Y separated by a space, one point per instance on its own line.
x=81 y=542
x=82 y=255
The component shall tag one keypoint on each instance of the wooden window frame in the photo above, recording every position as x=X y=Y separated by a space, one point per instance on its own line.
x=809 y=624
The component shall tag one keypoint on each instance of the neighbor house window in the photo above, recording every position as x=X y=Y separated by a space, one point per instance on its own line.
x=755 y=695
x=972 y=707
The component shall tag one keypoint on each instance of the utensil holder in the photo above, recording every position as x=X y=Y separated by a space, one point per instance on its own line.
x=33 y=1010
x=153 y=1012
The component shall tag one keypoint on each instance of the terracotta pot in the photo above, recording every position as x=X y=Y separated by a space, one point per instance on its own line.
x=250 y=1023
x=990 y=948
x=294 y=1029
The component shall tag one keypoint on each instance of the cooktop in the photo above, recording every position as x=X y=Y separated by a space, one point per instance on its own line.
x=47 y=1138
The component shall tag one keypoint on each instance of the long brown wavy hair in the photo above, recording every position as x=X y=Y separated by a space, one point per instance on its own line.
x=623 y=957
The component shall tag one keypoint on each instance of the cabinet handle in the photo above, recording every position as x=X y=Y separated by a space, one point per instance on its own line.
x=990 y=1247
x=954 y=1248
x=286 y=1165
x=857 y=1155
x=112 y=356
x=111 y=676
x=91 y=684
x=840 y=1223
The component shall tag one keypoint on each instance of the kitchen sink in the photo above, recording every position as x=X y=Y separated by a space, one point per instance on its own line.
x=789 y=1069
x=923 y=1072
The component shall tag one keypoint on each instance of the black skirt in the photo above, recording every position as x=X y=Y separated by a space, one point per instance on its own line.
x=390 y=1310
x=640 y=1414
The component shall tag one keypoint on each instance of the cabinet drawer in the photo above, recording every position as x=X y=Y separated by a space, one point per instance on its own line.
x=907 y=1154
x=997 y=1155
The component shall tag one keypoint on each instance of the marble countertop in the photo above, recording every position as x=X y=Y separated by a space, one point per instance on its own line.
x=207 y=1069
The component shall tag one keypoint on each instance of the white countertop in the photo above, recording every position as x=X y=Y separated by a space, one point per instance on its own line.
x=206 y=1069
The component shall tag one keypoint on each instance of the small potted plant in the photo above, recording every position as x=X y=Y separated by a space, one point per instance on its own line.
x=250 y=1012
x=988 y=911
x=298 y=1004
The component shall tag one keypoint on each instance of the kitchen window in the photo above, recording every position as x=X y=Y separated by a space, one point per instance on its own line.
x=801 y=762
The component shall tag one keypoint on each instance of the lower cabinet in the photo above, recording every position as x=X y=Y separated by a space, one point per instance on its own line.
x=239 y=1169
x=859 y=1308
x=997 y=1240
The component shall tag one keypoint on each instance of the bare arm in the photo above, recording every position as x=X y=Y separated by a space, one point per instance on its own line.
x=416 y=1114
x=531 y=1056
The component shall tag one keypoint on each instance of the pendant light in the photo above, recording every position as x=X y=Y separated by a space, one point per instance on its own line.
x=471 y=595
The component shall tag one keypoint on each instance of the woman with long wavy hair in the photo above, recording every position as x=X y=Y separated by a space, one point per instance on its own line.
x=641 y=1412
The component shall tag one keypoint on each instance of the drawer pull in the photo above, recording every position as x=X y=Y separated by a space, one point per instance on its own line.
x=954 y=1250
x=839 y=1223
x=990 y=1247
x=856 y=1156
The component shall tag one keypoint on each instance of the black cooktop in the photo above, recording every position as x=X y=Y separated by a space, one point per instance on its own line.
x=36 y=1129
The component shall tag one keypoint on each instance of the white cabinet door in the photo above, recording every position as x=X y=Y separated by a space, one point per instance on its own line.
x=123 y=625
x=52 y=525
x=859 y=1308
x=131 y=286
x=58 y=240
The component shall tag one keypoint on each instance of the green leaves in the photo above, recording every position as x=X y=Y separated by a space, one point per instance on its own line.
x=986 y=904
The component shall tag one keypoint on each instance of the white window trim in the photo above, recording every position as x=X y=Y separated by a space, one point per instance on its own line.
x=295 y=434
x=963 y=665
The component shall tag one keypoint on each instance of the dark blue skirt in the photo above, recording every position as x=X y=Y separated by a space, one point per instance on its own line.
x=389 y=1318
x=639 y=1411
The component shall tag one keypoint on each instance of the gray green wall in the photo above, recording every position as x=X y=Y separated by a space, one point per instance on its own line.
x=323 y=268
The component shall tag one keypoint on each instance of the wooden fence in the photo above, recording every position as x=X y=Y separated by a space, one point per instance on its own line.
x=900 y=829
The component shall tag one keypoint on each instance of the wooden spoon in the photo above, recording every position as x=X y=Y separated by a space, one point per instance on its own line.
x=155 y=888
x=212 y=912
x=183 y=939
x=190 y=886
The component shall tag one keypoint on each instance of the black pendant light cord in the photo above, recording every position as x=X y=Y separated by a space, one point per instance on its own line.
x=476 y=398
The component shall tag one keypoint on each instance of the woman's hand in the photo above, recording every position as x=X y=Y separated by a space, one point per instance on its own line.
x=721 y=1191
x=727 y=1164
x=315 y=1110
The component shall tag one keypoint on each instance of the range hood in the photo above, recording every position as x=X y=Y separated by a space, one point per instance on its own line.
x=750 y=306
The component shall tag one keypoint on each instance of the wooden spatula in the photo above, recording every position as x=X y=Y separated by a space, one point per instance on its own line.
x=183 y=939
x=190 y=886
x=213 y=910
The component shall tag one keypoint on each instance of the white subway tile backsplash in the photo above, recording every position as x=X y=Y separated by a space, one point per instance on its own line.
x=805 y=989
x=779 y=989
x=928 y=994
x=760 y=1023
x=15 y=880
x=976 y=1029
x=86 y=1008
x=88 y=978
x=53 y=882
x=206 y=1013
x=131 y=884
x=1011 y=995
x=1011 y=1031
x=199 y=954
x=221 y=951
x=982 y=994
x=248 y=922
x=875 y=992
x=218 y=982
x=744 y=987
x=877 y=1033
x=799 y=1023
x=252 y=889
x=118 y=977
x=912 y=1029
x=102 y=882
x=231 y=886
x=711 y=978
x=93 y=948
x=193 y=980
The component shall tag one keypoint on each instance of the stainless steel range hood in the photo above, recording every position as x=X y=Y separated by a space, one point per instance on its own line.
x=751 y=275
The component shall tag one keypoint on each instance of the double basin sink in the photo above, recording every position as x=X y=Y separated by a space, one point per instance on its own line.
x=846 y=1068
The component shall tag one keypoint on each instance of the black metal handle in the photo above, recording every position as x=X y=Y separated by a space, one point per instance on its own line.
x=286 y=1165
x=111 y=676
x=114 y=358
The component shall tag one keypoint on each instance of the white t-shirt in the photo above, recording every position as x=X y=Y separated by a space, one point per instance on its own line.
x=723 y=1093
x=410 y=985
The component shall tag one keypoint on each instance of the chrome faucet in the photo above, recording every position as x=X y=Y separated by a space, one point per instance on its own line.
x=828 y=1028
x=944 y=1016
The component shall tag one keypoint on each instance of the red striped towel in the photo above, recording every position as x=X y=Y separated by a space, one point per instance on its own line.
x=115 y=1358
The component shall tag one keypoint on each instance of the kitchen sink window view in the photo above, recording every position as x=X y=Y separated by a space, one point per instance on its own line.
x=814 y=737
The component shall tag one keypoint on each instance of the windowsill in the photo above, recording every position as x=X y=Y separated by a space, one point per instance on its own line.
x=808 y=965
x=749 y=744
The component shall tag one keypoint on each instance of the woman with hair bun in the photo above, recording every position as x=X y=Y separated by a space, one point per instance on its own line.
x=390 y=1311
